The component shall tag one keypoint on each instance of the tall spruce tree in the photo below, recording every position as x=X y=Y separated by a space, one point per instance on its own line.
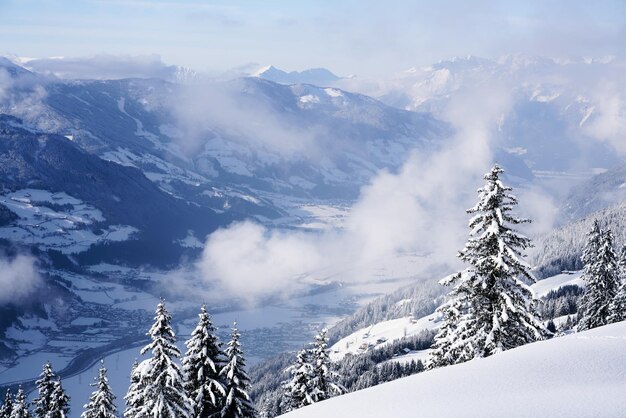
x=201 y=367
x=102 y=401
x=20 y=406
x=297 y=390
x=134 y=395
x=447 y=347
x=492 y=307
x=617 y=308
x=60 y=404
x=325 y=382
x=592 y=247
x=238 y=403
x=622 y=262
x=45 y=388
x=160 y=391
x=602 y=277
x=7 y=406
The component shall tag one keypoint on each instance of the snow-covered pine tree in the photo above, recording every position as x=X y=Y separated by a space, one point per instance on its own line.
x=237 y=403
x=45 y=388
x=7 y=406
x=446 y=348
x=20 y=405
x=60 y=401
x=601 y=274
x=102 y=401
x=617 y=308
x=133 y=396
x=498 y=311
x=297 y=390
x=622 y=262
x=201 y=368
x=592 y=246
x=159 y=391
x=325 y=382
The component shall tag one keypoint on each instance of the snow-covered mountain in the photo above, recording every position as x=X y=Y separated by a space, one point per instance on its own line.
x=299 y=140
x=106 y=180
x=597 y=193
x=579 y=375
x=316 y=76
x=562 y=116
x=43 y=172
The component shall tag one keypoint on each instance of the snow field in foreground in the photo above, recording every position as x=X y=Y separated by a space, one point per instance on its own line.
x=579 y=375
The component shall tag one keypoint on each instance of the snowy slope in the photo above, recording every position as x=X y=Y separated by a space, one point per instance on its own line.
x=382 y=333
x=561 y=248
x=580 y=375
x=597 y=193
x=543 y=287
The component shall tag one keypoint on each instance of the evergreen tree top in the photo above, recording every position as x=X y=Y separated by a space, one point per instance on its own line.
x=162 y=334
x=494 y=197
x=102 y=381
x=47 y=373
x=201 y=365
x=234 y=369
x=203 y=334
x=594 y=240
x=156 y=388
x=20 y=406
x=102 y=401
x=233 y=348
x=237 y=403
x=7 y=406
x=494 y=247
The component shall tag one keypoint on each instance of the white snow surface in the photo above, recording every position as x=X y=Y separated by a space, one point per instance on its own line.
x=381 y=334
x=579 y=375
x=543 y=287
x=65 y=228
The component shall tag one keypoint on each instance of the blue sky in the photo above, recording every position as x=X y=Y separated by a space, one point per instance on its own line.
x=364 y=37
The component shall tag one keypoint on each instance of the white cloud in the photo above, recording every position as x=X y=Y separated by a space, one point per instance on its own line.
x=5 y=84
x=205 y=108
x=248 y=260
x=420 y=209
x=541 y=208
x=18 y=279
x=608 y=120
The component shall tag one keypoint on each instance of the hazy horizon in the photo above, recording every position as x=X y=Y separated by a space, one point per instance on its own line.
x=347 y=37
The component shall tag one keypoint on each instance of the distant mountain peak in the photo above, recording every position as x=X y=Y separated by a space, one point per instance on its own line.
x=317 y=76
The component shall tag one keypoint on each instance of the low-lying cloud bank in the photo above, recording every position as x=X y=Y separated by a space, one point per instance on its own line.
x=420 y=209
x=103 y=67
x=18 y=279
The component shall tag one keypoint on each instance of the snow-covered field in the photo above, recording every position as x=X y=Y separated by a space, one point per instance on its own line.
x=58 y=221
x=579 y=375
